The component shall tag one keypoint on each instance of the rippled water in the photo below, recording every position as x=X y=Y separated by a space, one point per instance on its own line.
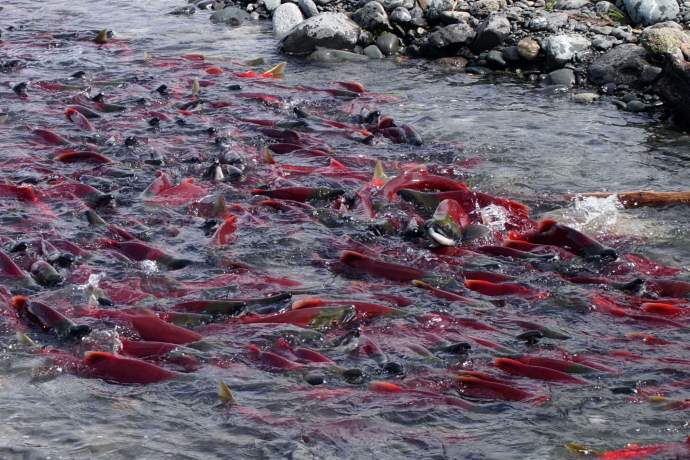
x=523 y=142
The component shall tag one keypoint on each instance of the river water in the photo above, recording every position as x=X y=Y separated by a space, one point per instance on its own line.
x=520 y=141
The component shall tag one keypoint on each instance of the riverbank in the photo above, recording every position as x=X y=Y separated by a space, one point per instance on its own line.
x=634 y=52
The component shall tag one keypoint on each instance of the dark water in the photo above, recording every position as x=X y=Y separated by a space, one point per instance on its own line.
x=504 y=138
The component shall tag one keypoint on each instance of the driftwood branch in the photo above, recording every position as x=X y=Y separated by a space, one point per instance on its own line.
x=644 y=198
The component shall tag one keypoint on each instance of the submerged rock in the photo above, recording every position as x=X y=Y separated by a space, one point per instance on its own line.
x=327 y=30
x=285 y=17
x=333 y=55
x=373 y=52
x=230 y=15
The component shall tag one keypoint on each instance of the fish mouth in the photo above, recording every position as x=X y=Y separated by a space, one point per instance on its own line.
x=439 y=236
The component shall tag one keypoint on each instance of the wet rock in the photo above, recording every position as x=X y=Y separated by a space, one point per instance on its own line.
x=271 y=5
x=308 y=8
x=371 y=16
x=528 y=49
x=494 y=59
x=230 y=15
x=511 y=55
x=664 y=41
x=585 y=98
x=451 y=64
x=570 y=4
x=561 y=49
x=622 y=65
x=334 y=55
x=491 y=33
x=400 y=15
x=388 y=43
x=314 y=378
x=561 y=77
x=328 y=30
x=648 y=12
x=373 y=52
x=183 y=10
x=636 y=106
x=650 y=74
x=285 y=17
x=436 y=7
x=448 y=40
x=674 y=87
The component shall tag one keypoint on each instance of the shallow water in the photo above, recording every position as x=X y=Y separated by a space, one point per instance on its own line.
x=518 y=141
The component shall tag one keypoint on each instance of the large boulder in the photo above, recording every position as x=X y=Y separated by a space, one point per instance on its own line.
x=371 y=16
x=491 y=32
x=327 y=30
x=285 y=17
x=625 y=64
x=674 y=87
x=648 y=12
x=447 y=41
x=561 y=49
x=664 y=41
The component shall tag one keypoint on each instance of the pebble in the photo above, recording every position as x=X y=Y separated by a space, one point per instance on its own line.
x=400 y=15
x=636 y=106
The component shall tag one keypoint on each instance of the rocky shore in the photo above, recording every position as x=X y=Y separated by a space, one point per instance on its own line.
x=633 y=51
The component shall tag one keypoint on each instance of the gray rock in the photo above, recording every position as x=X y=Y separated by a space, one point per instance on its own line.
x=285 y=17
x=650 y=74
x=603 y=30
x=230 y=15
x=603 y=43
x=491 y=32
x=648 y=12
x=271 y=5
x=400 y=15
x=548 y=21
x=570 y=4
x=448 y=40
x=328 y=30
x=373 y=52
x=623 y=65
x=562 y=77
x=561 y=49
x=332 y=55
x=365 y=38
x=371 y=16
x=308 y=8
x=528 y=49
x=390 y=5
x=388 y=43
x=436 y=7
